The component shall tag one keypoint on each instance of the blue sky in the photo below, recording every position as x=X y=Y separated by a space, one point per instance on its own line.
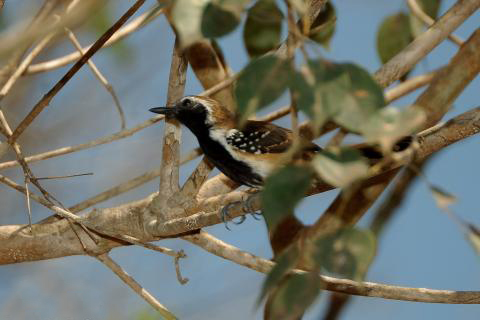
x=420 y=248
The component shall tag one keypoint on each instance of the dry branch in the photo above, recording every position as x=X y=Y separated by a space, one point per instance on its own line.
x=367 y=289
x=44 y=102
x=135 y=286
x=169 y=167
x=66 y=150
x=131 y=27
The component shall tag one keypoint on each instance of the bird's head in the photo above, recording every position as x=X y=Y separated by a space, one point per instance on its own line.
x=198 y=113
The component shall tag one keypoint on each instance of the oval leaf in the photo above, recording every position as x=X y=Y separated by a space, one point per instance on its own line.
x=346 y=93
x=340 y=166
x=282 y=191
x=305 y=98
x=285 y=262
x=220 y=18
x=349 y=252
x=187 y=19
x=323 y=27
x=261 y=82
x=393 y=35
x=263 y=28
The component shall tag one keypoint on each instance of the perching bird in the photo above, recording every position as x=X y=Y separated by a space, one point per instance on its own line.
x=247 y=155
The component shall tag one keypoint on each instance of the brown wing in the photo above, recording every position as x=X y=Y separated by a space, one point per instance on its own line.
x=261 y=137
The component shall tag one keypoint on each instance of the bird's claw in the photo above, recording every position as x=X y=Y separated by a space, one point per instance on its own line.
x=256 y=215
x=246 y=207
x=225 y=215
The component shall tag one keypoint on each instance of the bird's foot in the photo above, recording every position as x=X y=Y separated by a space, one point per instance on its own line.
x=246 y=207
x=225 y=214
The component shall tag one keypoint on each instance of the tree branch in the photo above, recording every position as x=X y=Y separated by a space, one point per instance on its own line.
x=44 y=102
x=423 y=44
x=66 y=150
x=135 y=286
x=131 y=27
x=366 y=289
x=169 y=168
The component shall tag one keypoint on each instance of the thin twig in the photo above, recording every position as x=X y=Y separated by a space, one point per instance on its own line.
x=409 y=85
x=66 y=150
x=126 y=186
x=180 y=279
x=103 y=80
x=220 y=86
x=29 y=207
x=44 y=102
x=135 y=286
x=131 y=27
x=66 y=177
x=24 y=64
x=60 y=211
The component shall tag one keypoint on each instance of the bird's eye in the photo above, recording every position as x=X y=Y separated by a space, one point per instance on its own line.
x=186 y=102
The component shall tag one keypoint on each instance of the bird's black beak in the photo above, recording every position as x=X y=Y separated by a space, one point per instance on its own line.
x=169 y=112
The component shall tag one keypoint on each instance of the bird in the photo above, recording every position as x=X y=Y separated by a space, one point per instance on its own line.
x=250 y=153
x=247 y=155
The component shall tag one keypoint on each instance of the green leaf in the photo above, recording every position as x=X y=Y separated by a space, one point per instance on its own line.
x=261 y=82
x=284 y=263
x=187 y=19
x=346 y=93
x=294 y=296
x=340 y=166
x=221 y=17
x=349 y=252
x=282 y=191
x=263 y=28
x=443 y=199
x=323 y=27
x=305 y=97
x=393 y=36
x=430 y=7
x=390 y=124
